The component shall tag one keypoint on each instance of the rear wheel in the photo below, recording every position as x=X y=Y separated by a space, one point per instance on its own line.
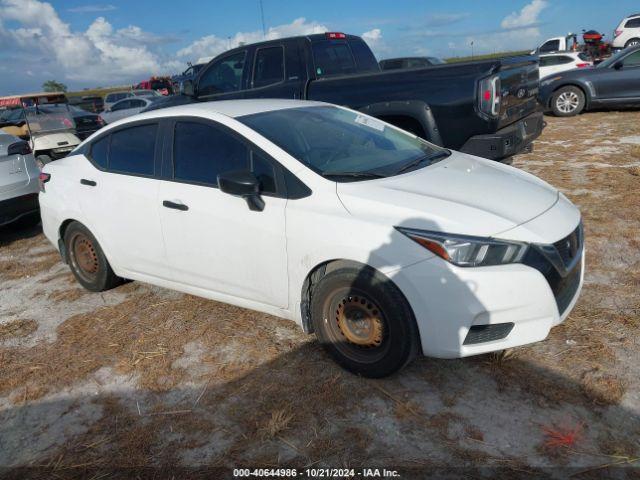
x=567 y=102
x=87 y=260
x=364 y=322
x=634 y=42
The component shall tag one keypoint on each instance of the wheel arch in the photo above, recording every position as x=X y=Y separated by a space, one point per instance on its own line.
x=315 y=275
x=583 y=88
x=414 y=116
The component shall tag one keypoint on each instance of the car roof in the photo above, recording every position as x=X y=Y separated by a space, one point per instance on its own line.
x=556 y=54
x=228 y=108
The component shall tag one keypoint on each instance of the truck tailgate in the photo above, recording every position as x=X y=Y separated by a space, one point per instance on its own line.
x=519 y=78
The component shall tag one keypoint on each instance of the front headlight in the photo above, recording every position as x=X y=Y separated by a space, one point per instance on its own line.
x=468 y=251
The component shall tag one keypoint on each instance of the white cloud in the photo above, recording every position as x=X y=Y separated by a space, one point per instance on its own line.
x=526 y=17
x=212 y=45
x=92 y=9
x=376 y=43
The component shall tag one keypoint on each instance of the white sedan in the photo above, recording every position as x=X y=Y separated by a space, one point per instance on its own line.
x=380 y=243
x=126 y=108
x=552 y=63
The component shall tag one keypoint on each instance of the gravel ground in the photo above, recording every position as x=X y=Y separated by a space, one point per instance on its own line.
x=144 y=377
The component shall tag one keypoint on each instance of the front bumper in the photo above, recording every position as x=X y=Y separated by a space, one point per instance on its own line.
x=13 y=209
x=511 y=140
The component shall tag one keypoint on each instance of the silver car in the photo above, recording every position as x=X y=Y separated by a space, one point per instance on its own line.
x=126 y=108
x=19 y=181
x=111 y=98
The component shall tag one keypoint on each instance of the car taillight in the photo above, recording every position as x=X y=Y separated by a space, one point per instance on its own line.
x=42 y=179
x=617 y=33
x=489 y=96
x=582 y=65
x=335 y=35
x=19 y=148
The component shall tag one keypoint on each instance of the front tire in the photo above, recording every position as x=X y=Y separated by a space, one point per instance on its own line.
x=567 y=102
x=364 y=322
x=87 y=260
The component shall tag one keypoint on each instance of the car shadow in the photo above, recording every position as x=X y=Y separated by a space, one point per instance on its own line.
x=19 y=230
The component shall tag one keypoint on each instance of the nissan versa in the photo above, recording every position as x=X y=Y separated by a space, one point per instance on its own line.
x=380 y=243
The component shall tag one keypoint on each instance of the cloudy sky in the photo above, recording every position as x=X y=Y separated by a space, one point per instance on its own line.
x=90 y=44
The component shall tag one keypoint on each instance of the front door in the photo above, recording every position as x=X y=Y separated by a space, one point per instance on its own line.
x=213 y=240
x=620 y=84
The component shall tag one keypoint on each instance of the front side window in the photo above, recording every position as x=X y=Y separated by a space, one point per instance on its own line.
x=632 y=60
x=201 y=152
x=223 y=76
x=269 y=66
x=341 y=144
x=132 y=150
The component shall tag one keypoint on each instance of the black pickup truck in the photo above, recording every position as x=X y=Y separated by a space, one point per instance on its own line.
x=486 y=108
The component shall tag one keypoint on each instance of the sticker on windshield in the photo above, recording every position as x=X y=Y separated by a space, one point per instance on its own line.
x=370 y=122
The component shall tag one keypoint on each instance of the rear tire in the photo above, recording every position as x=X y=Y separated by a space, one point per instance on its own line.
x=364 y=322
x=567 y=102
x=87 y=260
x=632 y=43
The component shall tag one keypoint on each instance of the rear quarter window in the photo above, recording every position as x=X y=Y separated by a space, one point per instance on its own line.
x=633 y=23
x=332 y=58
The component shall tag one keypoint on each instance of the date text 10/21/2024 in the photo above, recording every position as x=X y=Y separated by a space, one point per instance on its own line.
x=316 y=473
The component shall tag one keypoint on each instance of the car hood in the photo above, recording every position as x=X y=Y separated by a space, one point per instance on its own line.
x=461 y=194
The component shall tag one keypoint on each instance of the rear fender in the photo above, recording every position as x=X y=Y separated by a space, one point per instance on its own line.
x=412 y=109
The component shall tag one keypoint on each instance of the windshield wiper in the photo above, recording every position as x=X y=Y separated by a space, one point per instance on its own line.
x=353 y=174
x=432 y=159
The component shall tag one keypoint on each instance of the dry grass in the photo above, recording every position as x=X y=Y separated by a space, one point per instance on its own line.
x=17 y=328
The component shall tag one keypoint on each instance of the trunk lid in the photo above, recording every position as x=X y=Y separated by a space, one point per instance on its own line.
x=13 y=170
x=519 y=79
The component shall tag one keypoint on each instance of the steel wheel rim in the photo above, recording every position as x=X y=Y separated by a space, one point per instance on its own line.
x=357 y=326
x=567 y=102
x=84 y=257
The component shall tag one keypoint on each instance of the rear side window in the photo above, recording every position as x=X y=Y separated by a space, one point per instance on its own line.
x=132 y=150
x=365 y=60
x=332 y=58
x=564 y=59
x=201 y=152
x=269 y=66
x=633 y=23
x=99 y=151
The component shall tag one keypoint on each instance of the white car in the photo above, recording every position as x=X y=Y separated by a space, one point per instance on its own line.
x=382 y=244
x=552 y=63
x=126 y=108
x=628 y=32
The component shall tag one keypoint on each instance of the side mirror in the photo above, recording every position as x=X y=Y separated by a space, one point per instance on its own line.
x=243 y=184
x=618 y=65
x=186 y=88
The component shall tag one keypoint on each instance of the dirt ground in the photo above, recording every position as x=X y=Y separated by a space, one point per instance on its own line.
x=144 y=377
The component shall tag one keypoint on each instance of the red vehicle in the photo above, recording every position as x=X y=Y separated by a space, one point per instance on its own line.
x=162 y=85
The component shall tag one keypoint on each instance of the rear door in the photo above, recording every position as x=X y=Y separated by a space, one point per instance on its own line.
x=276 y=72
x=213 y=240
x=120 y=197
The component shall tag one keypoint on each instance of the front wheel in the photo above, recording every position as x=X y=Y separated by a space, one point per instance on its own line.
x=364 y=322
x=567 y=102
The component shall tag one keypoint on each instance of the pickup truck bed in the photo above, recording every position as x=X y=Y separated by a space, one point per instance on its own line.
x=486 y=108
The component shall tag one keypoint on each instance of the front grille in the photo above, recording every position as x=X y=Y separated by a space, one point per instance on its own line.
x=561 y=266
x=487 y=333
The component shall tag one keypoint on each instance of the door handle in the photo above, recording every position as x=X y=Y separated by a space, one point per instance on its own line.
x=176 y=206
x=89 y=183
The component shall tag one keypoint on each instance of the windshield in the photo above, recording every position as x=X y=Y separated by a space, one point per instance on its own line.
x=341 y=144
x=612 y=59
x=49 y=118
